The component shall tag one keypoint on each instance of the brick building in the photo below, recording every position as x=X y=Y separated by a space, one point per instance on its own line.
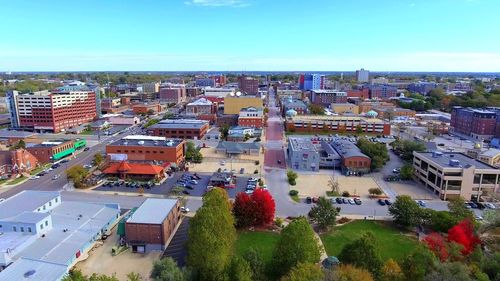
x=180 y=128
x=382 y=92
x=327 y=97
x=14 y=162
x=140 y=148
x=143 y=108
x=172 y=95
x=200 y=106
x=248 y=85
x=234 y=104
x=334 y=124
x=476 y=123
x=251 y=117
x=150 y=227
x=362 y=94
x=53 y=150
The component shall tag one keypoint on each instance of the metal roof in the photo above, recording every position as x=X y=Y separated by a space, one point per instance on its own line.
x=15 y=134
x=153 y=211
x=25 y=201
x=347 y=149
x=443 y=160
x=33 y=270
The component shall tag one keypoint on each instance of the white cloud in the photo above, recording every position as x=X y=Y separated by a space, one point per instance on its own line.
x=218 y=3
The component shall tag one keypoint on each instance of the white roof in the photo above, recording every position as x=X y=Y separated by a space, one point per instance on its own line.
x=143 y=137
x=25 y=201
x=201 y=101
x=32 y=270
x=153 y=211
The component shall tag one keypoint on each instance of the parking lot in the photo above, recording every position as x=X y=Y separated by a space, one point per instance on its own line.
x=166 y=187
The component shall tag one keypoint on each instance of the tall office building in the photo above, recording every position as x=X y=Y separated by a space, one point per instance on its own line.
x=362 y=75
x=53 y=111
x=309 y=82
x=248 y=85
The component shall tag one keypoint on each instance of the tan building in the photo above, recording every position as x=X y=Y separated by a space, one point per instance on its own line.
x=234 y=104
x=390 y=113
x=453 y=175
x=489 y=156
x=341 y=108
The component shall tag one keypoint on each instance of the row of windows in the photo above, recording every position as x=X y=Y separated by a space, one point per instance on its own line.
x=140 y=151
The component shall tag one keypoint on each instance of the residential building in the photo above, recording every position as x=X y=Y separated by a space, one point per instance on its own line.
x=16 y=162
x=480 y=124
x=453 y=175
x=53 y=150
x=362 y=76
x=248 y=85
x=380 y=80
x=200 y=106
x=489 y=156
x=391 y=113
x=309 y=82
x=193 y=92
x=327 y=97
x=236 y=149
x=172 y=95
x=220 y=80
x=152 y=87
x=145 y=149
x=42 y=237
x=205 y=82
x=337 y=124
x=53 y=111
x=353 y=160
x=382 y=92
x=180 y=128
x=152 y=225
x=362 y=94
x=251 y=117
x=144 y=108
x=343 y=108
x=422 y=88
x=234 y=104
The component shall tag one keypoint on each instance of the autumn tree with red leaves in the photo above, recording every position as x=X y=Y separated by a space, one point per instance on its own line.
x=463 y=234
x=255 y=210
x=438 y=245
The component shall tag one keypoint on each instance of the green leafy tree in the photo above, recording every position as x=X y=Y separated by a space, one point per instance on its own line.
x=192 y=153
x=77 y=275
x=491 y=266
x=458 y=209
x=77 y=174
x=292 y=177
x=348 y=272
x=454 y=271
x=323 y=214
x=297 y=244
x=405 y=211
x=166 y=270
x=406 y=172
x=316 y=109
x=405 y=148
x=256 y=263
x=134 y=276
x=363 y=253
x=441 y=221
x=391 y=271
x=98 y=159
x=224 y=132
x=418 y=264
x=151 y=122
x=212 y=236
x=375 y=191
x=19 y=144
x=304 y=272
x=359 y=129
x=239 y=270
x=376 y=151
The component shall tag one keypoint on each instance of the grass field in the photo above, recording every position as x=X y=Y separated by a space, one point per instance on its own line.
x=391 y=242
x=264 y=242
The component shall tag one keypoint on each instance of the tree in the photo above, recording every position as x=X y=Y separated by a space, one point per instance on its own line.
x=447 y=271
x=224 y=132
x=256 y=263
x=98 y=159
x=242 y=207
x=239 y=270
x=458 y=209
x=438 y=245
x=20 y=144
x=406 y=172
x=77 y=174
x=441 y=221
x=297 y=244
x=463 y=234
x=391 y=271
x=151 y=122
x=323 y=214
x=405 y=211
x=150 y=112
x=363 y=253
x=304 y=272
x=405 y=148
x=417 y=264
x=265 y=207
x=334 y=186
x=266 y=110
x=192 y=153
x=166 y=269
x=376 y=151
x=316 y=109
x=134 y=276
x=348 y=272
x=359 y=129
x=292 y=177
x=491 y=266
x=77 y=275
x=211 y=236
x=375 y=191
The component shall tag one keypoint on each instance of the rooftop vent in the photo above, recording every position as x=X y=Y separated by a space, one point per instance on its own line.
x=454 y=163
x=140 y=142
x=436 y=154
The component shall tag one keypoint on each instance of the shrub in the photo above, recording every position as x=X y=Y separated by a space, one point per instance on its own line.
x=256 y=171
x=278 y=222
x=346 y=193
x=257 y=162
x=293 y=192
x=375 y=191
x=343 y=220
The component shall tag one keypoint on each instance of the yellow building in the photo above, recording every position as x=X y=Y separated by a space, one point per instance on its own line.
x=341 y=108
x=234 y=104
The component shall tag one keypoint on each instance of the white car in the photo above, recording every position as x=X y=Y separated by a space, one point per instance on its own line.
x=184 y=209
x=479 y=218
x=222 y=163
x=55 y=177
x=489 y=205
x=34 y=177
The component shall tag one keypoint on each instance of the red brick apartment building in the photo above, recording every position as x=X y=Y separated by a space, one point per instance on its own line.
x=327 y=97
x=180 y=128
x=337 y=124
x=152 y=224
x=248 y=85
x=53 y=111
x=147 y=149
x=362 y=94
x=143 y=108
x=172 y=95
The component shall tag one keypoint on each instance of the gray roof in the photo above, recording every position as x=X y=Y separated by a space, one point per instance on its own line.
x=328 y=148
x=347 y=149
x=180 y=124
x=42 y=271
x=147 y=142
x=25 y=201
x=301 y=144
x=237 y=147
x=153 y=210
x=15 y=134
x=444 y=160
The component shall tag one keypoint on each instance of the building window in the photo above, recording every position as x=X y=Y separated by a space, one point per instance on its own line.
x=41 y=226
x=46 y=223
x=22 y=229
x=14 y=229
x=44 y=207
x=29 y=229
x=56 y=199
x=50 y=203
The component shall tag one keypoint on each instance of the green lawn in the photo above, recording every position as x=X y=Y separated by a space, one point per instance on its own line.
x=264 y=242
x=16 y=181
x=39 y=169
x=391 y=242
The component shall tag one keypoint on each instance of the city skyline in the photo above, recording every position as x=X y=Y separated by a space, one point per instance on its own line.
x=251 y=35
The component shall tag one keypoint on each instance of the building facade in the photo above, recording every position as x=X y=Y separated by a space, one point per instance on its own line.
x=453 y=175
x=16 y=162
x=337 y=124
x=480 y=124
x=201 y=106
x=251 y=117
x=362 y=94
x=172 y=95
x=180 y=128
x=248 y=85
x=234 y=104
x=342 y=108
x=309 y=82
x=48 y=151
x=327 y=97
x=144 y=108
x=362 y=75
x=382 y=92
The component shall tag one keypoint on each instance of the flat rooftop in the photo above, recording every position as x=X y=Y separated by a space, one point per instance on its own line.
x=153 y=211
x=180 y=124
x=301 y=144
x=25 y=201
x=339 y=118
x=48 y=143
x=141 y=140
x=15 y=134
x=444 y=160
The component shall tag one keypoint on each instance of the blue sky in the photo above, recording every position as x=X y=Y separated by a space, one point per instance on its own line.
x=235 y=35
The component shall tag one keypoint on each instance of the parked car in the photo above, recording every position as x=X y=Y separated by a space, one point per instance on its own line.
x=55 y=177
x=480 y=205
x=222 y=163
x=86 y=149
x=396 y=171
x=308 y=200
x=351 y=201
x=196 y=177
x=42 y=174
x=489 y=205
x=381 y=202
x=338 y=200
x=421 y=203
x=186 y=192
x=357 y=201
x=34 y=177
x=184 y=209
x=315 y=199
x=189 y=187
x=193 y=182
x=388 y=202
x=344 y=201
x=473 y=205
x=64 y=161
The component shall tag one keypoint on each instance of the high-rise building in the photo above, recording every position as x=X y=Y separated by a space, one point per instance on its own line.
x=309 y=82
x=481 y=124
x=54 y=111
x=362 y=75
x=248 y=85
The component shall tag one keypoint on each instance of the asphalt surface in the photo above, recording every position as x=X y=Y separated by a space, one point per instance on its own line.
x=177 y=248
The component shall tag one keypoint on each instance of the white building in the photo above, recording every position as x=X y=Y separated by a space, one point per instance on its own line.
x=41 y=237
x=218 y=92
x=198 y=107
x=362 y=75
